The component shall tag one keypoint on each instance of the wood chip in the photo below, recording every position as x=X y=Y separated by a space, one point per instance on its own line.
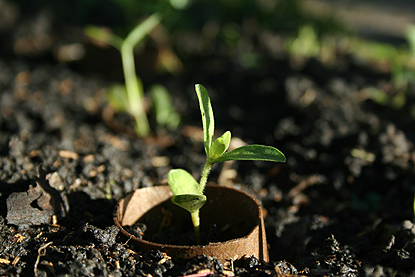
x=119 y=143
x=89 y=158
x=92 y=173
x=19 y=238
x=4 y=261
x=66 y=86
x=68 y=154
x=34 y=153
x=202 y=273
x=15 y=261
x=160 y=161
x=101 y=168
x=228 y=273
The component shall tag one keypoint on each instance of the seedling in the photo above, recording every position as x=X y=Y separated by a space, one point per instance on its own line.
x=187 y=192
x=132 y=94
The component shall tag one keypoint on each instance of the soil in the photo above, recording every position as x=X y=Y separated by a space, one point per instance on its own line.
x=342 y=204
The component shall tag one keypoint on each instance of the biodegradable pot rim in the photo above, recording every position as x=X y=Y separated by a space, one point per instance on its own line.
x=253 y=243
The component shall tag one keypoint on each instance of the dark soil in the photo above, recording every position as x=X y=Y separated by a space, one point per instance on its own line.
x=342 y=204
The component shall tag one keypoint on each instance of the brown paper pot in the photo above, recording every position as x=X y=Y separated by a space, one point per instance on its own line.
x=238 y=217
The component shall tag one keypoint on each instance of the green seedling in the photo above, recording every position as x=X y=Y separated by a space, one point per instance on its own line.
x=187 y=192
x=132 y=94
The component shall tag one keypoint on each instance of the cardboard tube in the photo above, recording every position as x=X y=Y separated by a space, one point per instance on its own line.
x=237 y=215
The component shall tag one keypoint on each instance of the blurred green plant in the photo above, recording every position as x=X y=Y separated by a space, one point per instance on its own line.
x=414 y=205
x=410 y=36
x=399 y=62
x=306 y=44
x=129 y=97
x=165 y=114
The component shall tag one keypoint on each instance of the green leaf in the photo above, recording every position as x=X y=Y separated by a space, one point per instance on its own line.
x=117 y=97
x=253 y=153
x=181 y=182
x=220 y=145
x=163 y=107
x=207 y=116
x=189 y=202
x=104 y=36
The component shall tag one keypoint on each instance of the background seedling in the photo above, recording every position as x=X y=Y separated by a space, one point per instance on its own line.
x=187 y=192
x=129 y=98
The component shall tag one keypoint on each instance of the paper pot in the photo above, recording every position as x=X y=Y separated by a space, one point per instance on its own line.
x=237 y=215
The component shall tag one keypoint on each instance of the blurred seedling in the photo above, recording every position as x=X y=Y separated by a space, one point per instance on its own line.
x=130 y=97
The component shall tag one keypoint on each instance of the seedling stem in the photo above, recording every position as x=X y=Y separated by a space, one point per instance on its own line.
x=135 y=96
x=196 y=224
x=205 y=175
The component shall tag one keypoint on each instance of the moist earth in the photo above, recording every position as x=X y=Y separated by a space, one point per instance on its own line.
x=342 y=204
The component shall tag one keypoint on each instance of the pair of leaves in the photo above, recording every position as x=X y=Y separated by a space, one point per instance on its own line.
x=215 y=151
x=185 y=190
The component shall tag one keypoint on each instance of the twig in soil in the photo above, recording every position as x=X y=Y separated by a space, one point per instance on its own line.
x=305 y=183
x=202 y=273
x=40 y=254
x=4 y=261
x=128 y=240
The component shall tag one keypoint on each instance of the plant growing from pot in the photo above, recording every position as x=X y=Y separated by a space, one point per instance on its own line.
x=187 y=192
